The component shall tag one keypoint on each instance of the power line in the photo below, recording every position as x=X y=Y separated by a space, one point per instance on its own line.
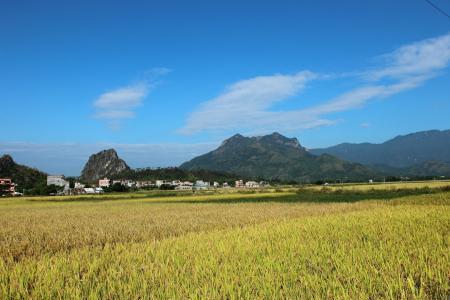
x=438 y=8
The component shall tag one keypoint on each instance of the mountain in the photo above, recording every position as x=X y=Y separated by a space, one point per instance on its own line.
x=400 y=152
x=429 y=168
x=106 y=163
x=25 y=177
x=276 y=157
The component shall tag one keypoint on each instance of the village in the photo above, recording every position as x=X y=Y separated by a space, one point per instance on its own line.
x=105 y=183
x=64 y=186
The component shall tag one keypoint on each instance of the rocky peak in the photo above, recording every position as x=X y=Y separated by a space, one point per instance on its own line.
x=105 y=163
x=281 y=139
x=234 y=139
x=6 y=161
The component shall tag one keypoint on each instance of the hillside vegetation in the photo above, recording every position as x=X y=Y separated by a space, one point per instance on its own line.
x=25 y=177
x=411 y=150
x=276 y=157
x=176 y=174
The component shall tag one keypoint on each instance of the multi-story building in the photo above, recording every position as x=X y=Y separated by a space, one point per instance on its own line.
x=239 y=184
x=104 y=182
x=7 y=187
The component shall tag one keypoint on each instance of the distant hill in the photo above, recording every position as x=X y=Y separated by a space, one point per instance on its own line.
x=400 y=152
x=25 y=177
x=430 y=168
x=425 y=169
x=276 y=157
x=105 y=163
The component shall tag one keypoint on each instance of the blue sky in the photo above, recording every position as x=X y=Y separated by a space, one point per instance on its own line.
x=165 y=81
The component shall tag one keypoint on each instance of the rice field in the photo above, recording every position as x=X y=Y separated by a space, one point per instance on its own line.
x=302 y=243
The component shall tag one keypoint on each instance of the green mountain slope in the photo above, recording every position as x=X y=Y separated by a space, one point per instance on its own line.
x=275 y=157
x=400 y=152
x=25 y=177
x=175 y=174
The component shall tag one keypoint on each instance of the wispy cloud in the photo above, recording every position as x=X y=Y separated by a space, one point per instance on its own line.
x=247 y=104
x=416 y=59
x=119 y=104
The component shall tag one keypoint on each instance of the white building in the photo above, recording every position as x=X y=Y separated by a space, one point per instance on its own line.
x=175 y=183
x=216 y=184
x=239 y=184
x=89 y=190
x=98 y=190
x=78 y=185
x=251 y=184
x=159 y=183
x=183 y=187
x=57 y=180
x=125 y=182
x=142 y=184
x=201 y=185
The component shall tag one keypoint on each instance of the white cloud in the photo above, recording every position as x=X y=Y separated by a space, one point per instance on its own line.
x=123 y=98
x=416 y=59
x=246 y=104
x=119 y=104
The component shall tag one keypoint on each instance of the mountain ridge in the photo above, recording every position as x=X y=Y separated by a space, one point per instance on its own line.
x=401 y=151
x=275 y=157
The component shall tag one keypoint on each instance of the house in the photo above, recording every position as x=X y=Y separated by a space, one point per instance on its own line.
x=125 y=182
x=225 y=185
x=239 y=184
x=143 y=184
x=78 y=185
x=175 y=183
x=104 y=182
x=57 y=180
x=7 y=187
x=251 y=184
x=183 y=187
x=201 y=185
x=159 y=183
x=216 y=184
